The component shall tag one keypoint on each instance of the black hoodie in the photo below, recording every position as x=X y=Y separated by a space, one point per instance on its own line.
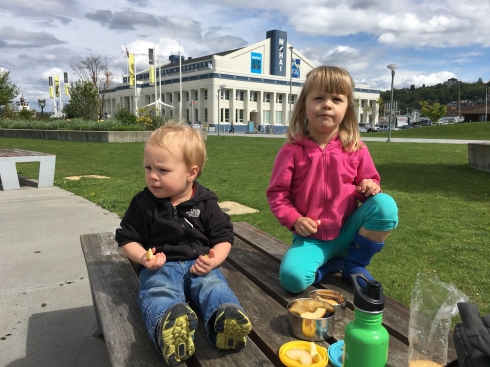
x=182 y=232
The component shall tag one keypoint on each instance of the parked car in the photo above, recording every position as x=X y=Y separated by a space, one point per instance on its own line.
x=195 y=125
x=366 y=128
x=384 y=127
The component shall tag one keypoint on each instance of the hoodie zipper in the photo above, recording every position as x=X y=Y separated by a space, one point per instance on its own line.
x=175 y=216
x=324 y=158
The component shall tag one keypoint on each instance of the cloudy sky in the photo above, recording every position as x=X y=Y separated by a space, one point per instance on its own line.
x=431 y=41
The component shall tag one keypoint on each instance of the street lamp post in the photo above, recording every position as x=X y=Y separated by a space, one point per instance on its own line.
x=42 y=104
x=220 y=94
x=392 y=67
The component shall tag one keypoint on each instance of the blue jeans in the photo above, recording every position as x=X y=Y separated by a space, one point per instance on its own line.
x=174 y=283
x=306 y=255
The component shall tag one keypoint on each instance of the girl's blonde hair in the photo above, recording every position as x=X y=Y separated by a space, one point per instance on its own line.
x=180 y=135
x=328 y=79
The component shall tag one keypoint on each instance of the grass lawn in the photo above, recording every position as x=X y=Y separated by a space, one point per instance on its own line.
x=443 y=203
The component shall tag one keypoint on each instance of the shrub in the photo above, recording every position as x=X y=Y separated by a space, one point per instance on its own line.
x=125 y=118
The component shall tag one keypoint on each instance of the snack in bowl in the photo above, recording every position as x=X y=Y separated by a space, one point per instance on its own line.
x=301 y=353
x=336 y=299
x=310 y=319
x=423 y=363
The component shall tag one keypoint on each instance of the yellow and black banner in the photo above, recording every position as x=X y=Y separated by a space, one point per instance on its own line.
x=57 y=85
x=50 y=83
x=131 y=70
x=67 y=90
x=152 y=74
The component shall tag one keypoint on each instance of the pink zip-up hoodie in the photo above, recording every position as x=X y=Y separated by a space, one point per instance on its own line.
x=308 y=181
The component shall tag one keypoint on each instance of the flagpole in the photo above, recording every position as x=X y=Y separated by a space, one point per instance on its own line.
x=160 y=89
x=135 y=88
x=155 y=74
x=61 y=103
x=180 y=85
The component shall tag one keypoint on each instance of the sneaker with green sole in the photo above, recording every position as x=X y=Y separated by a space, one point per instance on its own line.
x=232 y=327
x=177 y=337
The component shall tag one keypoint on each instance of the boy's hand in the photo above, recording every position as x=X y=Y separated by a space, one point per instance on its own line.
x=305 y=226
x=155 y=262
x=368 y=187
x=204 y=264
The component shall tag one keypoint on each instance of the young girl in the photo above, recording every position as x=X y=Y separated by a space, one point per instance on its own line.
x=319 y=177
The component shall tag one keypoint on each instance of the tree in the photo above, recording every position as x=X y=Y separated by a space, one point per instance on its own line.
x=84 y=101
x=92 y=69
x=433 y=112
x=8 y=90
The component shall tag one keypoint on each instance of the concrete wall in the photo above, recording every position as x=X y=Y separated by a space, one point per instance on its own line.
x=89 y=136
x=71 y=135
x=479 y=156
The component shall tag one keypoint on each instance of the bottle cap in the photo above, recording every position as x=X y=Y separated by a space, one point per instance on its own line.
x=335 y=353
x=369 y=299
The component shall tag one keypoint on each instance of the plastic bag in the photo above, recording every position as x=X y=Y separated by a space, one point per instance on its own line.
x=433 y=305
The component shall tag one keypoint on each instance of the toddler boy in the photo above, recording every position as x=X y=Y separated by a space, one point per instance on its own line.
x=188 y=236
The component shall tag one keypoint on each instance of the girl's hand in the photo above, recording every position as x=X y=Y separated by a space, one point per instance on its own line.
x=305 y=226
x=156 y=262
x=204 y=264
x=368 y=187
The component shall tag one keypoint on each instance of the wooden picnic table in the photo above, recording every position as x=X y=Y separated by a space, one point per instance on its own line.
x=252 y=271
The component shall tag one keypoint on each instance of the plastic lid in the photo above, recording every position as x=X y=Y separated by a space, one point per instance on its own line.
x=335 y=353
x=304 y=345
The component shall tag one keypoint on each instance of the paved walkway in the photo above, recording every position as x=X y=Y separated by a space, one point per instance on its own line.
x=46 y=313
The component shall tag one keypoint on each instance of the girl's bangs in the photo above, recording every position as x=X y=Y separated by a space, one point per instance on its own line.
x=331 y=81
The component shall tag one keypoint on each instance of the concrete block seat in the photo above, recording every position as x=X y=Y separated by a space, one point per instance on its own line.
x=8 y=169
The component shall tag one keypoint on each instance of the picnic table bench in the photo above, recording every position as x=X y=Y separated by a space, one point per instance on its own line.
x=252 y=271
x=8 y=170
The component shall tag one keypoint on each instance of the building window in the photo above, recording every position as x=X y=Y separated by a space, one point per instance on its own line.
x=292 y=98
x=163 y=98
x=178 y=97
x=196 y=96
x=171 y=113
x=225 y=115
x=278 y=98
x=205 y=115
x=266 y=117
x=187 y=96
x=225 y=94
x=267 y=97
x=278 y=117
x=239 y=115
x=187 y=115
x=196 y=114
x=205 y=94
x=170 y=98
x=253 y=96
x=239 y=95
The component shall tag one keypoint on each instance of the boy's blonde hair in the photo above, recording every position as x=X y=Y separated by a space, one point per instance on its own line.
x=177 y=134
x=328 y=79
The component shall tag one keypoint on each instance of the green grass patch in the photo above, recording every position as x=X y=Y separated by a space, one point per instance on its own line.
x=465 y=131
x=443 y=203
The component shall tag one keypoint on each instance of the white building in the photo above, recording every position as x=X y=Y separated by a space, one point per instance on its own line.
x=255 y=81
x=21 y=104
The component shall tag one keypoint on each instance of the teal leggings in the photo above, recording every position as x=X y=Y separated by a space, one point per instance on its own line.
x=306 y=255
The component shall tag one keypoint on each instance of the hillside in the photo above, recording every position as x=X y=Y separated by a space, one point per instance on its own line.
x=471 y=93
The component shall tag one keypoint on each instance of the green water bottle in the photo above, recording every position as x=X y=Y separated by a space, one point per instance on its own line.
x=366 y=339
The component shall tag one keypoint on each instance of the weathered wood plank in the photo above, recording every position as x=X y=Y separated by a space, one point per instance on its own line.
x=115 y=286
